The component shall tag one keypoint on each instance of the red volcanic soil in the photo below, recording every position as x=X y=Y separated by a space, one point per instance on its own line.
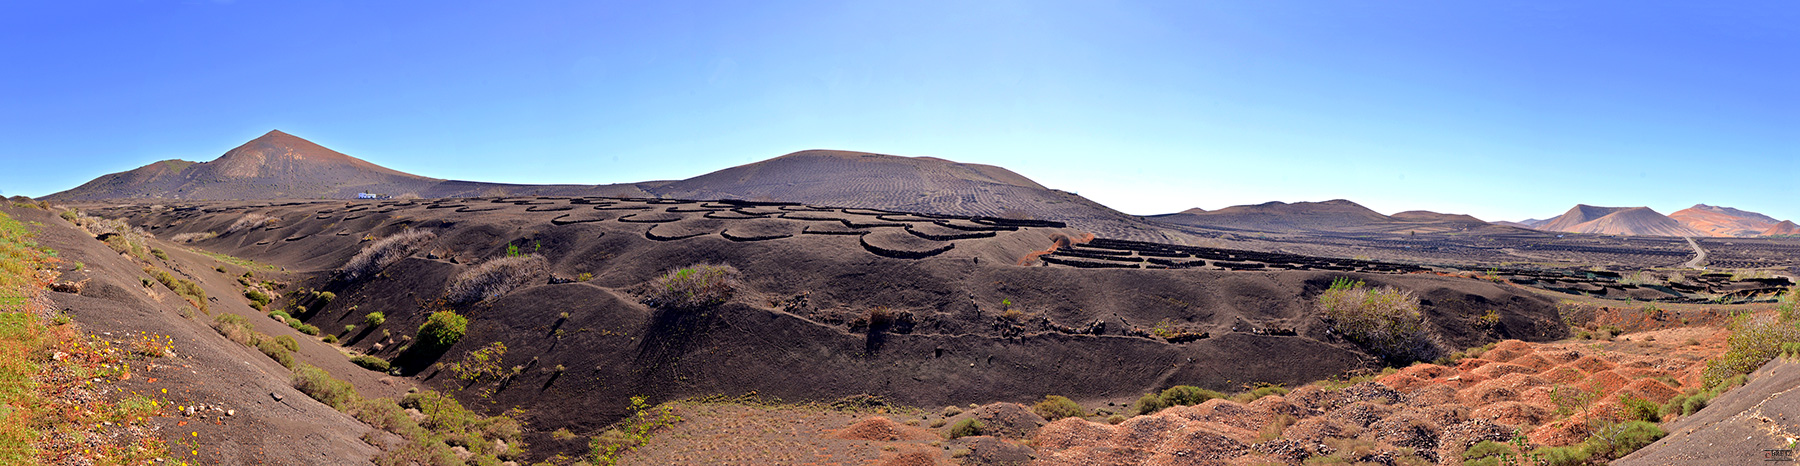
x=1633 y=221
x=1426 y=411
x=1723 y=221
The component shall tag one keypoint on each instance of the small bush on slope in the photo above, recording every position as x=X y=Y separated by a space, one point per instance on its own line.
x=1057 y=407
x=382 y=253
x=1617 y=440
x=496 y=277
x=694 y=287
x=371 y=363
x=966 y=427
x=1385 y=320
x=442 y=329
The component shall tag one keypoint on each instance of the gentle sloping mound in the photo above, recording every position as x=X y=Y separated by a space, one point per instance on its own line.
x=882 y=429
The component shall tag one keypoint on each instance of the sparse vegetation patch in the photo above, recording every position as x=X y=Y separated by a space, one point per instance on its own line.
x=496 y=277
x=1384 y=320
x=694 y=287
x=382 y=253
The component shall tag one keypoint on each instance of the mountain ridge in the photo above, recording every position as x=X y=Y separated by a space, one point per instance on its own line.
x=1629 y=221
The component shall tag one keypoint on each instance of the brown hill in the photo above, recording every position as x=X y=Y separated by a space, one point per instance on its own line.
x=1785 y=228
x=1631 y=221
x=1429 y=216
x=1331 y=216
x=1723 y=221
x=282 y=166
x=278 y=165
x=911 y=184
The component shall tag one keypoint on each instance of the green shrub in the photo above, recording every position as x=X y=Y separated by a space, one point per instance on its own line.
x=1150 y=403
x=280 y=315
x=319 y=385
x=694 y=287
x=330 y=339
x=1057 y=407
x=374 y=319
x=288 y=342
x=235 y=328
x=1617 y=440
x=372 y=363
x=1259 y=392
x=442 y=329
x=484 y=363
x=1487 y=448
x=159 y=254
x=1573 y=455
x=348 y=328
x=1753 y=342
x=275 y=350
x=966 y=427
x=303 y=327
x=188 y=290
x=1187 y=395
x=326 y=297
x=1386 y=321
x=1639 y=409
x=257 y=297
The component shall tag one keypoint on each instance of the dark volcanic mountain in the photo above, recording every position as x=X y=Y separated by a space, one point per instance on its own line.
x=912 y=184
x=282 y=166
x=1330 y=216
x=1630 y=221
x=1724 y=221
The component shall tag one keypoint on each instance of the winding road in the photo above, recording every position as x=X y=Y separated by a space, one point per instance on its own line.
x=1699 y=254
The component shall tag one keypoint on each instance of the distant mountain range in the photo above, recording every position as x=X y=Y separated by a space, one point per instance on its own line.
x=1336 y=215
x=278 y=165
x=1701 y=220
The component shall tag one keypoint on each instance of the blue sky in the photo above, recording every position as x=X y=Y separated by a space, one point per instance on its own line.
x=1503 y=110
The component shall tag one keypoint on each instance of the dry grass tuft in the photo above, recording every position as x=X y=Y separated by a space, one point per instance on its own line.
x=383 y=253
x=497 y=277
x=250 y=221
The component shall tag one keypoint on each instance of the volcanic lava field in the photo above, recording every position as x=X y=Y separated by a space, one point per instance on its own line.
x=916 y=310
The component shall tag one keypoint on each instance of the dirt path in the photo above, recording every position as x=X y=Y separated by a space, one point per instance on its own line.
x=1699 y=254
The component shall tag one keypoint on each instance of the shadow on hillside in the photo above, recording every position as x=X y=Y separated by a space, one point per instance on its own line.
x=671 y=334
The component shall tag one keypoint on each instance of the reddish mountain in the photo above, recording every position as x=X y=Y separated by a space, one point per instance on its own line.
x=278 y=165
x=1723 y=221
x=1630 y=221
x=1785 y=228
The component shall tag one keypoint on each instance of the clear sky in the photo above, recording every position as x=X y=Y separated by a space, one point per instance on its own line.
x=1502 y=110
